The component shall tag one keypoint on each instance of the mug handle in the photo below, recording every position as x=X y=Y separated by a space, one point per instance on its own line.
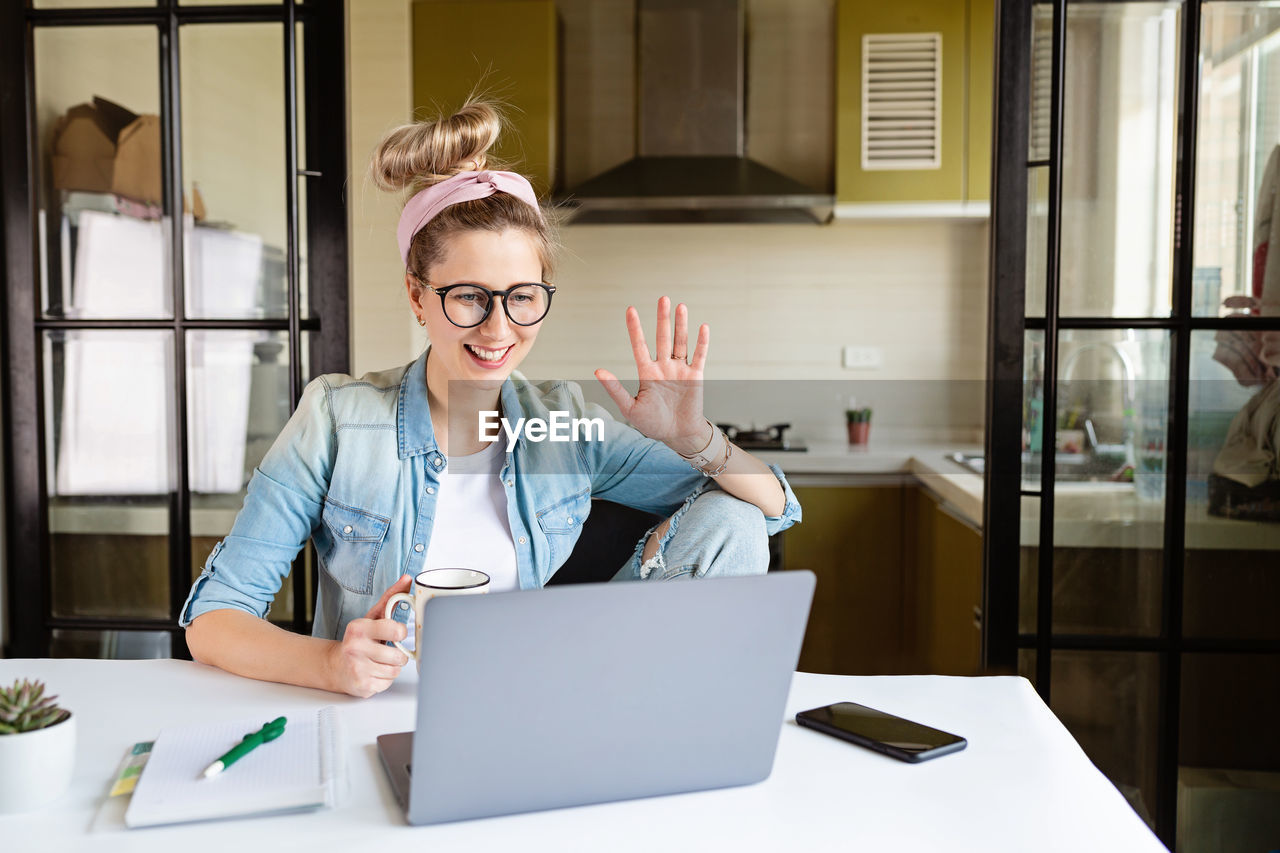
x=390 y=608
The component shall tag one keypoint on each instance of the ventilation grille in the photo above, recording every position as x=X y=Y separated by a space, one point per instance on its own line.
x=902 y=101
x=1041 y=82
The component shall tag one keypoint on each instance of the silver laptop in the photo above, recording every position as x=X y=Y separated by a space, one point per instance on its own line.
x=597 y=692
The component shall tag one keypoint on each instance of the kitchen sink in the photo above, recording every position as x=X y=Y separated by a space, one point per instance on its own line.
x=1070 y=467
x=975 y=462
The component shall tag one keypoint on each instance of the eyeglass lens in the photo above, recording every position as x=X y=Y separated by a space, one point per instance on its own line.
x=526 y=304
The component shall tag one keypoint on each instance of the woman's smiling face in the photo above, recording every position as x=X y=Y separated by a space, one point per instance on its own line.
x=486 y=353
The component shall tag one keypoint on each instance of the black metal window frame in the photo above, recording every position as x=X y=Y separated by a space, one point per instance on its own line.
x=1008 y=323
x=26 y=512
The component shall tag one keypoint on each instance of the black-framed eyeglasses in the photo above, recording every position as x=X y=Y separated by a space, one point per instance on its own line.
x=469 y=305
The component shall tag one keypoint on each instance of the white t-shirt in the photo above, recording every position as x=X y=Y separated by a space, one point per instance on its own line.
x=471 y=530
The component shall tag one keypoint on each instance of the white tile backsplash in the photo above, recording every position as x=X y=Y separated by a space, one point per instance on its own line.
x=782 y=302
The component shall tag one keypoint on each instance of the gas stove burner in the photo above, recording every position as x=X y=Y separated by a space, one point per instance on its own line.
x=768 y=438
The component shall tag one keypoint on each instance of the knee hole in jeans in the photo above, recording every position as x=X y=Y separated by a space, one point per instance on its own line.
x=655 y=537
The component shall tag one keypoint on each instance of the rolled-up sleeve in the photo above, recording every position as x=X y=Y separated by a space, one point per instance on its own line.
x=282 y=507
x=790 y=510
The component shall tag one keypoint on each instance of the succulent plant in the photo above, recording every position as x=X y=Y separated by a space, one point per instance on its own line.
x=25 y=708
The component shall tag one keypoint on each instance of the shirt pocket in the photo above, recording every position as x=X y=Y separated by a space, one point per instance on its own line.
x=355 y=538
x=561 y=524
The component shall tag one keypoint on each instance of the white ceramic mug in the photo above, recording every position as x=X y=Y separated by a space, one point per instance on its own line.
x=426 y=586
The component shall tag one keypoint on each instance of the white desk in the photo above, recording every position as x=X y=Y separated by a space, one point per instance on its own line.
x=1022 y=784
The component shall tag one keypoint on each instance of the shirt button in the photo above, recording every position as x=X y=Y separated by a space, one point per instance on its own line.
x=522 y=540
x=437 y=462
x=347 y=529
x=431 y=490
x=570 y=520
x=418 y=547
x=511 y=482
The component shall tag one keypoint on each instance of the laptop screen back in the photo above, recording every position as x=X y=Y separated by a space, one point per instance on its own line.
x=599 y=692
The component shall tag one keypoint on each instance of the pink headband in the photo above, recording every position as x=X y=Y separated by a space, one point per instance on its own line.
x=464 y=186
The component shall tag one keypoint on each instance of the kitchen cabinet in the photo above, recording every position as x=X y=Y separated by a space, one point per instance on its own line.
x=852 y=538
x=506 y=47
x=980 y=94
x=960 y=173
x=899 y=581
x=944 y=557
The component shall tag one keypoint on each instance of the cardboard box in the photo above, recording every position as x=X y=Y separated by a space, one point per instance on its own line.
x=83 y=154
x=137 y=162
x=103 y=147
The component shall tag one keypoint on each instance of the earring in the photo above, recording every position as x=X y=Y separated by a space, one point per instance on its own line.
x=422 y=321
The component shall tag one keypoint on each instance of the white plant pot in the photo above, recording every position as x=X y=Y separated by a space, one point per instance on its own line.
x=36 y=767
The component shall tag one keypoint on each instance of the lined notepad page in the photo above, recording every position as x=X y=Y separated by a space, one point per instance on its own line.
x=297 y=770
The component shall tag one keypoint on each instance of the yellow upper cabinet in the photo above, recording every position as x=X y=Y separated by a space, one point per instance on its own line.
x=913 y=100
x=508 y=47
x=980 y=87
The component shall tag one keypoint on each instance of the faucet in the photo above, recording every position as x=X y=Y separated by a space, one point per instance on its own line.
x=1129 y=378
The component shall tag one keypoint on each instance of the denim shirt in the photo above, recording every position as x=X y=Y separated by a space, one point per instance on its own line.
x=357 y=470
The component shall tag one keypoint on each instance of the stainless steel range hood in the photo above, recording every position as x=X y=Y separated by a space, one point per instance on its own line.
x=690 y=142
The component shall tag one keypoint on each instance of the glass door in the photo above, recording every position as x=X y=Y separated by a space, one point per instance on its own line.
x=1133 y=526
x=167 y=170
x=1228 y=746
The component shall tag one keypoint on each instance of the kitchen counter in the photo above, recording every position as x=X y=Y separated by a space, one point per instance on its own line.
x=1105 y=515
x=836 y=464
x=1093 y=515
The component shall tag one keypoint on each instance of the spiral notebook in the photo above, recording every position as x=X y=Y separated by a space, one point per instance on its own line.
x=297 y=771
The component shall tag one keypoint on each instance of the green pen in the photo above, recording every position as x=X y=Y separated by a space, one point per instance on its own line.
x=269 y=731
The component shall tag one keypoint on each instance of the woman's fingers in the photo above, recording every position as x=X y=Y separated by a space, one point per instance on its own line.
x=662 y=346
x=671 y=346
x=364 y=665
x=616 y=392
x=382 y=672
x=366 y=686
x=386 y=630
x=378 y=611
x=699 y=361
x=639 y=348
x=380 y=655
x=680 y=347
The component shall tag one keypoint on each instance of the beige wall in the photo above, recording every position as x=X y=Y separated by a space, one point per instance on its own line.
x=233 y=125
x=782 y=299
x=379 y=97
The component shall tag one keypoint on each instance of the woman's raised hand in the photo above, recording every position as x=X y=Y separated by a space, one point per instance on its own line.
x=668 y=404
x=362 y=664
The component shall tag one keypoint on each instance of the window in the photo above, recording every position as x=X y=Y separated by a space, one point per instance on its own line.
x=175 y=238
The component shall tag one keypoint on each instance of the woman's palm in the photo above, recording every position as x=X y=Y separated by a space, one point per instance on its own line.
x=668 y=403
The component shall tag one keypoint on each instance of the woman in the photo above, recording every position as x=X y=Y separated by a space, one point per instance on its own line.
x=375 y=470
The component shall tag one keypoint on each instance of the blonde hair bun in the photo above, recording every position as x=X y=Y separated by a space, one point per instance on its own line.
x=415 y=156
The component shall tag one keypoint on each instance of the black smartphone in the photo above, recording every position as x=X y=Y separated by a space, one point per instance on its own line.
x=882 y=732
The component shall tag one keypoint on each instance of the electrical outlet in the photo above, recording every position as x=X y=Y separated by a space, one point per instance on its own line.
x=863 y=358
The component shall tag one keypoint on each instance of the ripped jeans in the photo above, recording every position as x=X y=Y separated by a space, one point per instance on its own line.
x=712 y=535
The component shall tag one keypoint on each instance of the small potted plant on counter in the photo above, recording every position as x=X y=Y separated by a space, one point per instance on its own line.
x=37 y=747
x=859 y=423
